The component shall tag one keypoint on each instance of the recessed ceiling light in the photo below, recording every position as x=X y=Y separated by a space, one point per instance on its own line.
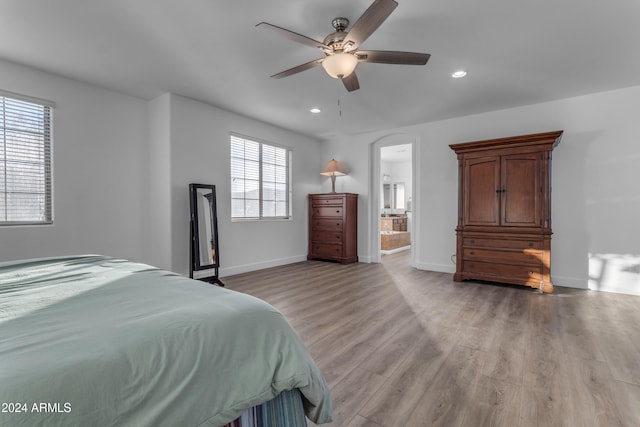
x=459 y=74
x=315 y=110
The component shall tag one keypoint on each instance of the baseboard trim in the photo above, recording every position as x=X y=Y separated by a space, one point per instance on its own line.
x=246 y=268
x=440 y=268
x=569 y=282
x=395 y=251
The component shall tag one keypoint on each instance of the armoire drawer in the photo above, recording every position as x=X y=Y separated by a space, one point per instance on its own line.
x=327 y=237
x=482 y=242
x=327 y=211
x=525 y=256
x=489 y=269
x=327 y=224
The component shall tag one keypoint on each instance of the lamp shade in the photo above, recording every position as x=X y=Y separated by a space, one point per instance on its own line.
x=334 y=168
x=340 y=65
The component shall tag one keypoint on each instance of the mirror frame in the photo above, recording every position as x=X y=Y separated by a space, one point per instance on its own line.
x=196 y=224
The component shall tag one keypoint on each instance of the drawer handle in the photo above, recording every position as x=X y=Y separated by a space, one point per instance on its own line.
x=472 y=241
x=530 y=243
x=337 y=210
x=531 y=273
x=472 y=253
x=530 y=256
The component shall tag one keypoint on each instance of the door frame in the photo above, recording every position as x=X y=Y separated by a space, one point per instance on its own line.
x=374 y=191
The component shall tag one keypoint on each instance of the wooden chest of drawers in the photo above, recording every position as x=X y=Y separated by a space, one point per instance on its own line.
x=333 y=227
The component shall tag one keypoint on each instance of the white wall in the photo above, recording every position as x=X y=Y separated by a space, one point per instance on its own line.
x=200 y=153
x=159 y=241
x=100 y=170
x=596 y=197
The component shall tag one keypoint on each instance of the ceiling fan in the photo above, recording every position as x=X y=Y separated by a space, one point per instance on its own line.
x=341 y=47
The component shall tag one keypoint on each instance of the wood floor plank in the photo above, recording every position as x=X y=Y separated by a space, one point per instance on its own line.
x=593 y=393
x=359 y=421
x=400 y=346
x=397 y=398
x=506 y=354
x=446 y=399
x=493 y=403
x=627 y=398
x=351 y=393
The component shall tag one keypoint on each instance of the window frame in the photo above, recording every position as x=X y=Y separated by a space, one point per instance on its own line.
x=46 y=147
x=261 y=183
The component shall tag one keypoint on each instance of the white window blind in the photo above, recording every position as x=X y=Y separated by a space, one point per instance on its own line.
x=25 y=160
x=260 y=184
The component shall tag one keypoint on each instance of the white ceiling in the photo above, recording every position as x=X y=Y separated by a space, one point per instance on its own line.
x=516 y=52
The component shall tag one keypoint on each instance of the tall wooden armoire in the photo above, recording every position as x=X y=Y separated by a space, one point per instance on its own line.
x=504 y=210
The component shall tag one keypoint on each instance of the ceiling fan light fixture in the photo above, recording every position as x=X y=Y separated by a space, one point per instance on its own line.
x=459 y=74
x=340 y=64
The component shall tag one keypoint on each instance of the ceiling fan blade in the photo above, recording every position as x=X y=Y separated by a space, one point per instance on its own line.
x=298 y=69
x=351 y=82
x=392 y=57
x=299 y=38
x=370 y=20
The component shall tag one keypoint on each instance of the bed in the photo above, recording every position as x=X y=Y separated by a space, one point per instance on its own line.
x=92 y=340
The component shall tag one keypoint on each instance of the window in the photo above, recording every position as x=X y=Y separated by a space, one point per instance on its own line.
x=25 y=160
x=259 y=179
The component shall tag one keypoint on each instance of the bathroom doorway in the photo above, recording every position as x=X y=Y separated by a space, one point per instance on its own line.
x=394 y=193
x=396 y=178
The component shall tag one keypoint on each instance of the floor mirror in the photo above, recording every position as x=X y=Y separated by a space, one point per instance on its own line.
x=205 y=256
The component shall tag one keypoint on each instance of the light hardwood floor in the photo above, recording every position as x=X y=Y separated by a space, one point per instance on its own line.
x=404 y=347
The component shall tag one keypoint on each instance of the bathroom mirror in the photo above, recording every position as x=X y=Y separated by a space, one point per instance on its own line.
x=205 y=257
x=393 y=195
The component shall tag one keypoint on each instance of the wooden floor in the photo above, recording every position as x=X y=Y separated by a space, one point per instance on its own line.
x=404 y=347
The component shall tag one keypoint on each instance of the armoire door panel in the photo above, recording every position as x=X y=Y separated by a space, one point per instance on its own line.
x=482 y=198
x=521 y=198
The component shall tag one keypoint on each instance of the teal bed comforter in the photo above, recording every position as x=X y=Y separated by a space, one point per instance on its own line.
x=97 y=341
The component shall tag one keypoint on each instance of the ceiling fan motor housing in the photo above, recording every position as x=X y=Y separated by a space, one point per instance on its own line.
x=335 y=39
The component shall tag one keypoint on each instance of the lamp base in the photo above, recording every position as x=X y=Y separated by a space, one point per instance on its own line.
x=333 y=183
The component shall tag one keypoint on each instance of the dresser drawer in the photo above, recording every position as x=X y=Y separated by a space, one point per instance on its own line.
x=326 y=237
x=487 y=270
x=525 y=256
x=324 y=201
x=482 y=242
x=326 y=250
x=327 y=211
x=326 y=224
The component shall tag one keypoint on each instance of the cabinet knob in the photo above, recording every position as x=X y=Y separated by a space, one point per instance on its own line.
x=530 y=243
x=472 y=253
x=472 y=241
